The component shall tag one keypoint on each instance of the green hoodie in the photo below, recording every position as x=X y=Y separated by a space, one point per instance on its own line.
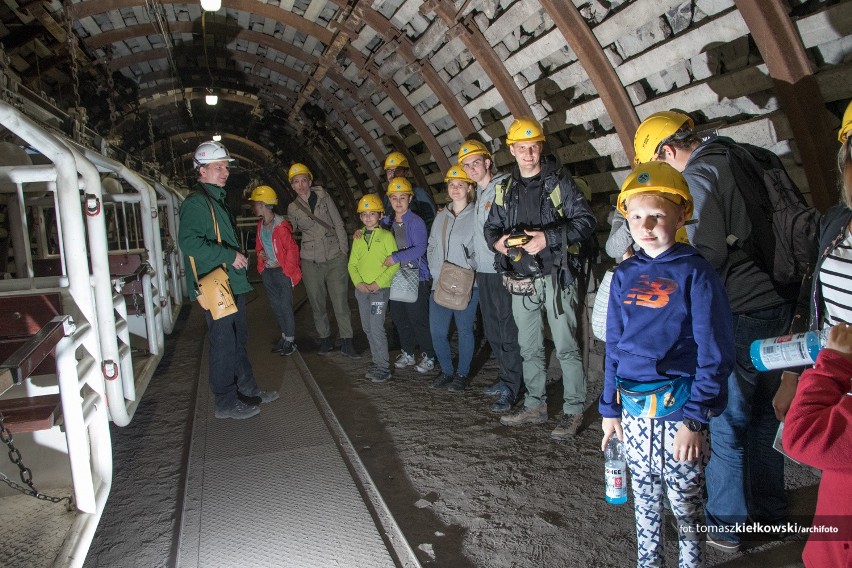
x=197 y=237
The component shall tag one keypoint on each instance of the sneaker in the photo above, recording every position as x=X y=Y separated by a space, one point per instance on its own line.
x=567 y=427
x=381 y=375
x=459 y=384
x=718 y=542
x=370 y=371
x=426 y=364
x=348 y=348
x=534 y=415
x=504 y=402
x=404 y=360
x=442 y=382
x=288 y=348
x=325 y=345
x=267 y=396
x=239 y=411
x=494 y=390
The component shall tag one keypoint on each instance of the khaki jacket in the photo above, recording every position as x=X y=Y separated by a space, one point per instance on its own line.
x=318 y=243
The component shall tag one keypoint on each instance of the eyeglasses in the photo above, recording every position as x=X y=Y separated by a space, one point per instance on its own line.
x=473 y=164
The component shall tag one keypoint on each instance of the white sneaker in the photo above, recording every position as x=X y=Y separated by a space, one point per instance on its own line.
x=425 y=365
x=404 y=360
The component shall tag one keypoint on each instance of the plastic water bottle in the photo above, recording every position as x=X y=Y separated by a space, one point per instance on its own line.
x=615 y=467
x=788 y=350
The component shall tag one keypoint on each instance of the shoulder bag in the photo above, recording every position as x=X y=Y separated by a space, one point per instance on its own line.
x=455 y=283
x=405 y=284
x=214 y=288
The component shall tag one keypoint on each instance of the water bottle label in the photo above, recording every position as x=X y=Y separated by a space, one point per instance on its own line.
x=616 y=480
x=786 y=351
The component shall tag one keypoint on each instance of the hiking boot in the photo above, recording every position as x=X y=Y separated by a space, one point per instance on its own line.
x=288 y=348
x=442 y=382
x=239 y=411
x=458 y=385
x=494 y=390
x=348 y=348
x=534 y=415
x=404 y=360
x=370 y=371
x=325 y=345
x=279 y=345
x=381 y=375
x=568 y=427
x=504 y=402
x=426 y=364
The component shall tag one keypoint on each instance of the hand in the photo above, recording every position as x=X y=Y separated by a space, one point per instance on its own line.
x=500 y=245
x=372 y=287
x=536 y=244
x=357 y=235
x=840 y=339
x=611 y=426
x=362 y=287
x=389 y=261
x=240 y=261
x=262 y=254
x=687 y=444
x=784 y=395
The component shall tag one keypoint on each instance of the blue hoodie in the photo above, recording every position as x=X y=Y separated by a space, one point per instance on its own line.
x=669 y=317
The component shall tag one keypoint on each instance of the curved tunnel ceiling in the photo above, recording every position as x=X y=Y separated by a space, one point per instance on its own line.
x=337 y=84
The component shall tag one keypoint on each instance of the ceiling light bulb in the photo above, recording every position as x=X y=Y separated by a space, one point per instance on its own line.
x=217 y=138
x=211 y=99
x=211 y=5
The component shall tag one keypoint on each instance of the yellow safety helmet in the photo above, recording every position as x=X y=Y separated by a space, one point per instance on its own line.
x=473 y=148
x=654 y=130
x=299 y=169
x=400 y=185
x=525 y=129
x=846 y=127
x=396 y=160
x=264 y=194
x=370 y=202
x=654 y=177
x=457 y=172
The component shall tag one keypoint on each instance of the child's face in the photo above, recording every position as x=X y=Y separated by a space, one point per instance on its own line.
x=370 y=219
x=654 y=221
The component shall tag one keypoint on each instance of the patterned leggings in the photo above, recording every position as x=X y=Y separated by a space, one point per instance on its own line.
x=648 y=446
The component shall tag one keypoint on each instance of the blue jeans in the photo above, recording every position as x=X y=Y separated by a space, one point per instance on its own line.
x=745 y=474
x=439 y=326
x=279 y=291
x=230 y=369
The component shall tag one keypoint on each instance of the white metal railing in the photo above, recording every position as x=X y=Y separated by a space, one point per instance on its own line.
x=95 y=364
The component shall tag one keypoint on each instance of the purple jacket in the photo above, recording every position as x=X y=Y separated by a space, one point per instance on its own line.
x=416 y=240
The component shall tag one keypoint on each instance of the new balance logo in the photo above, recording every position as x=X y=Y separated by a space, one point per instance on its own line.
x=649 y=293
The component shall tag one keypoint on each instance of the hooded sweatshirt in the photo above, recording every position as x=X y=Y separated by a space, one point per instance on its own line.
x=459 y=247
x=669 y=317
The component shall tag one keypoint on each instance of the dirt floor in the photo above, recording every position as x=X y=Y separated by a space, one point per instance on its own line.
x=468 y=491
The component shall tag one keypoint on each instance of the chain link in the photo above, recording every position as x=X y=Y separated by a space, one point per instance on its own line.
x=25 y=473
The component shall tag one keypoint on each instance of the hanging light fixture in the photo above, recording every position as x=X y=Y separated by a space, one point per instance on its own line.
x=210 y=98
x=217 y=138
x=211 y=5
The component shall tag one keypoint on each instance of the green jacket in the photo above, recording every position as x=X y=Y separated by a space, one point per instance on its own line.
x=197 y=237
x=367 y=256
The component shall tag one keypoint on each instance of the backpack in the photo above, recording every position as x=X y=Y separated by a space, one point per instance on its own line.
x=783 y=240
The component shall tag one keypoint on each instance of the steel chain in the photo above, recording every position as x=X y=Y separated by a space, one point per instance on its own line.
x=72 y=48
x=25 y=473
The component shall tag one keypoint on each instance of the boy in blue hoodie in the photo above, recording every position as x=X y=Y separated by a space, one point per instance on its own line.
x=669 y=351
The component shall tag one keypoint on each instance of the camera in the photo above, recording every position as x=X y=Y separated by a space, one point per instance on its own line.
x=518 y=239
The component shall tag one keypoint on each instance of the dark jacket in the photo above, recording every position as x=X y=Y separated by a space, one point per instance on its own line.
x=576 y=223
x=832 y=229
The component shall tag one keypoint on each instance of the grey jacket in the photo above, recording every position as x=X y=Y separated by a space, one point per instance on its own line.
x=482 y=206
x=720 y=212
x=460 y=236
x=318 y=243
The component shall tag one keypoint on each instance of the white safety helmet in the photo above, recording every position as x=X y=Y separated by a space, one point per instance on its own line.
x=211 y=151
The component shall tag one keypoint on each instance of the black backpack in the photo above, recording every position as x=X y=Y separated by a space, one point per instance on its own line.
x=783 y=240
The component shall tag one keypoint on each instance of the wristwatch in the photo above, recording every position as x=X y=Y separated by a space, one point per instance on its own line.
x=694 y=424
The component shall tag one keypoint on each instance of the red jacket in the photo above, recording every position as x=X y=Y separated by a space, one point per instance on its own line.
x=285 y=251
x=818 y=432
